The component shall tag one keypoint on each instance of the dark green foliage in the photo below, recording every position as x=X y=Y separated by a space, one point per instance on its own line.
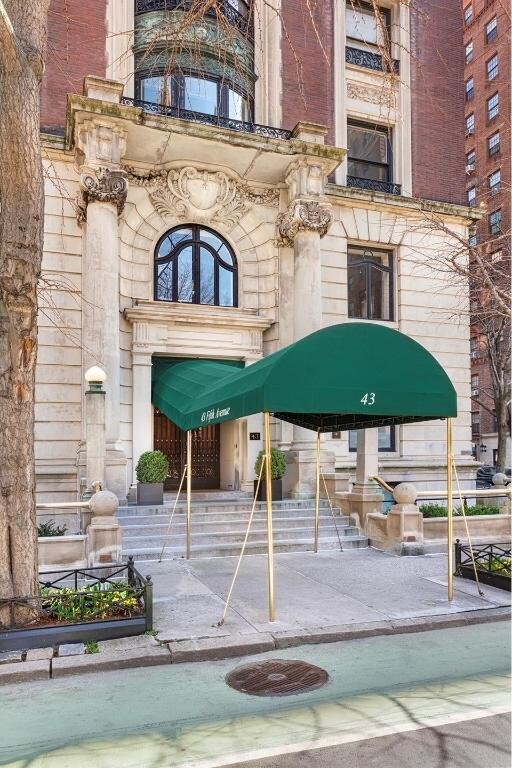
x=277 y=463
x=152 y=467
x=51 y=529
x=90 y=602
x=437 y=510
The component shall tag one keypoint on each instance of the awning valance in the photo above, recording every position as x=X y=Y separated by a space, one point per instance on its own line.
x=347 y=376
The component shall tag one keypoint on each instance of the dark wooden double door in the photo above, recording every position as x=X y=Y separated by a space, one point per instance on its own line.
x=172 y=441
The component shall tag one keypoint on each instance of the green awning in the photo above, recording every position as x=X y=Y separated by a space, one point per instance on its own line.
x=348 y=376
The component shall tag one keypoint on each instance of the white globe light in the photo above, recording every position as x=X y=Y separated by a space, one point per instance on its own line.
x=95 y=375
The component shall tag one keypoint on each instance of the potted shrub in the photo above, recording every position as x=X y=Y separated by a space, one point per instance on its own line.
x=277 y=468
x=151 y=470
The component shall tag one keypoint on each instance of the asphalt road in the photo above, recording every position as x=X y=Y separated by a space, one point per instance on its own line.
x=184 y=715
x=471 y=744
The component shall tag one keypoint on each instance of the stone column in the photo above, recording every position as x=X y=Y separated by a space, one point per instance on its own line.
x=142 y=410
x=101 y=143
x=305 y=222
x=366 y=495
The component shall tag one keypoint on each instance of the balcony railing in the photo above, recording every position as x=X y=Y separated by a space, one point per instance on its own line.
x=201 y=117
x=231 y=15
x=369 y=60
x=374 y=185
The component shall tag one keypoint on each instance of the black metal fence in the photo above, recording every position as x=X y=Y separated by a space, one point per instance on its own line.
x=82 y=596
x=493 y=563
x=206 y=119
x=370 y=60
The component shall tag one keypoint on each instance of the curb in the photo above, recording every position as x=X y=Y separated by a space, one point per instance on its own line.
x=219 y=648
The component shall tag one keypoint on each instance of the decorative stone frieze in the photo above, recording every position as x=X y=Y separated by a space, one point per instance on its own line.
x=384 y=96
x=100 y=142
x=103 y=185
x=212 y=197
x=304 y=216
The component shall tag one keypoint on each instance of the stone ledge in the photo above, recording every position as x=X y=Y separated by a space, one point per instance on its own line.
x=24 y=671
x=104 y=662
x=216 y=648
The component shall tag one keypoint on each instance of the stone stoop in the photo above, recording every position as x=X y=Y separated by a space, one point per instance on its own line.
x=219 y=526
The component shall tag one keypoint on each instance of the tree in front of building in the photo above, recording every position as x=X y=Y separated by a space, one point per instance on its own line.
x=22 y=42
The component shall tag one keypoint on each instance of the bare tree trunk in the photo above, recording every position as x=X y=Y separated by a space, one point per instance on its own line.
x=22 y=39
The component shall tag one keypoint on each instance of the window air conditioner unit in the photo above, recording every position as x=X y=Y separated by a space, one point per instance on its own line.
x=470 y=132
x=470 y=167
x=474 y=392
x=473 y=354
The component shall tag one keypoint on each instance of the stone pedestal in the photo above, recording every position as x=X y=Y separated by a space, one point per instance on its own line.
x=405 y=522
x=104 y=537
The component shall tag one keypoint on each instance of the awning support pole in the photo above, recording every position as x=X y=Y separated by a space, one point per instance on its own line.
x=449 y=490
x=189 y=486
x=317 y=495
x=270 y=533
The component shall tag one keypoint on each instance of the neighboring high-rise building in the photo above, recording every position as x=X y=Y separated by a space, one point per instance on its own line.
x=487 y=94
x=212 y=161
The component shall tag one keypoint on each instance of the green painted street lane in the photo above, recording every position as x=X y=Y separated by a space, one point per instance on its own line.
x=184 y=715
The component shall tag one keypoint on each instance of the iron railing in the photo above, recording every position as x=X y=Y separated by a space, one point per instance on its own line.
x=491 y=558
x=370 y=60
x=82 y=596
x=243 y=23
x=205 y=119
x=374 y=185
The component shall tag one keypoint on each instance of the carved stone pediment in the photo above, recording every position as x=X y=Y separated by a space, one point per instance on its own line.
x=210 y=197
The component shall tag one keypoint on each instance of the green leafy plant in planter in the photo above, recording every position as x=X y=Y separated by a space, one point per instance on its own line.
x=277 y=471
x=151 y=470
x=90 y=602
x=438 y=510
x=50 y=528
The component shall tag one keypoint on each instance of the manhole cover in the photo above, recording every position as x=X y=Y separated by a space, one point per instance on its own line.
x=276 y=678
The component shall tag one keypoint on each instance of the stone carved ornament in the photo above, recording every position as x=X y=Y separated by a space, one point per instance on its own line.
x=383 y=96
x=105 y=186
x=211 y=197
x=304 y=216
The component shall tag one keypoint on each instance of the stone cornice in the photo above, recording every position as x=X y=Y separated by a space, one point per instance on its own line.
x=415 y=205
x=167 y=313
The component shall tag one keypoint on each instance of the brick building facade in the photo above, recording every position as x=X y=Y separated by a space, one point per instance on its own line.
x=304 y=164
x=487 y=94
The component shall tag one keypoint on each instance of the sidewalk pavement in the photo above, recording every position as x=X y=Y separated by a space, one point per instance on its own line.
x=328 y=596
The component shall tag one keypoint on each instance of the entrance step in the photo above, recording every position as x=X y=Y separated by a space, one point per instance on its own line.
x=218 y=528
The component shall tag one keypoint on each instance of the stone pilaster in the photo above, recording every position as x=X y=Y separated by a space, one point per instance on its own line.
x=301 y=227
x=142 y=410
x=100 y=144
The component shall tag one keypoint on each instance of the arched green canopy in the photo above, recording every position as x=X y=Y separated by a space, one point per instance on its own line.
x=348 y=376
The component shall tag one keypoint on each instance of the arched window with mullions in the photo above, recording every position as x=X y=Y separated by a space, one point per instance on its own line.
x=194 y=265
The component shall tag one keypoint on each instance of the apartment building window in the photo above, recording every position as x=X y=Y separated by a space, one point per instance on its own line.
x=493 y=106
x=493 y=144
x=475 y=380
x=475 y=422
x=370 y=161
x=472 y=196
x=495 y=222
x=470 y=89
x=363 y=28
x=386 y=440
x=472 y=240
x=470 y=124
x=370 y=283
x=469 y=52
x=495 y=182
x=492 y=67
x=468 y=14
x=470 y=161
x=491 y=30
x=496 y=256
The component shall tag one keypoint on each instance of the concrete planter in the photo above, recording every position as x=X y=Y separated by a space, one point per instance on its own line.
x=150 y=494
x=62 y=551
x=277 y=490
x=492 y=527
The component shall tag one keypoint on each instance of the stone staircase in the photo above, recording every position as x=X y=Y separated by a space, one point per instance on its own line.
x=219 y=524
